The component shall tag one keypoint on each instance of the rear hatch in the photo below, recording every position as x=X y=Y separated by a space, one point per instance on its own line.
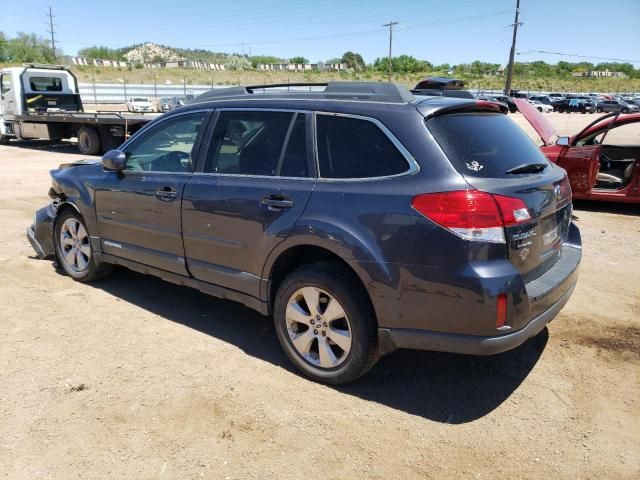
x=495 y=156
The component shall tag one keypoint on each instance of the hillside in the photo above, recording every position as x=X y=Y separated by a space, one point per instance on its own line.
x=151 y=52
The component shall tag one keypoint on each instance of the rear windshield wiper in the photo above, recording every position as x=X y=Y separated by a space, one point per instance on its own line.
x=528 y=168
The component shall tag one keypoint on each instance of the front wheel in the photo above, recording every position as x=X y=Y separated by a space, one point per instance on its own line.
x=625 y=110
x=599 y=110
x=4 y=139
x=73 y=249
x=325 y=323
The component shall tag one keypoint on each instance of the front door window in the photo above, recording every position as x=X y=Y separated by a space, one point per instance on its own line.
x=169 y=147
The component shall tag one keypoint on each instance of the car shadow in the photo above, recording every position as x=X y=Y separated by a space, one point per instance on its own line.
x=632 y=209
x=442 y=387
x=47 y=146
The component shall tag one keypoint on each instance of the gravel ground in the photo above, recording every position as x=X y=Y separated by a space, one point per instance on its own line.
x=132 y=377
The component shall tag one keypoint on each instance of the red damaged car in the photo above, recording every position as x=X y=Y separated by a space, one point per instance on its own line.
x=602 y=161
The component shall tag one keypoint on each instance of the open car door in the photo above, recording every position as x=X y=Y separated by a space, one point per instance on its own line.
x=581 y=162
x=581 y=159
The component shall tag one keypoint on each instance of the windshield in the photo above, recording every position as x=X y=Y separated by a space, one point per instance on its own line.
x=140 y=100
x=484 y=145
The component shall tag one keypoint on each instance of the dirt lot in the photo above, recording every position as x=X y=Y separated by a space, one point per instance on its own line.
x=132 y=377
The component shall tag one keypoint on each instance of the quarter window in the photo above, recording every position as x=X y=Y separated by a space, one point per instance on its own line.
x=258 y=143
x=355 y=148
x=169 y=147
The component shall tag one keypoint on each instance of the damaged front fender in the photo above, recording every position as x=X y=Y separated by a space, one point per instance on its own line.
x=40 y=234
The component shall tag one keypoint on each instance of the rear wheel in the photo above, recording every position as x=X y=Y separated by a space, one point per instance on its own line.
x=325 y=324
x=88 y=141
x=599 y=110
x=4 y=139
x=73 y=249
x=625 y=110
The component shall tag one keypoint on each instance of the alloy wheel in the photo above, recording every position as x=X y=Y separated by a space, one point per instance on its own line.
x=74 y=245
x=318 y=327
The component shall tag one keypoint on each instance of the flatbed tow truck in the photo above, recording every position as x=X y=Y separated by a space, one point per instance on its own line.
x=43 y=102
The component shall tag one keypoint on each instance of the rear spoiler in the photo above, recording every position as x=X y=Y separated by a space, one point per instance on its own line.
x=442 y=92
x=468 y=107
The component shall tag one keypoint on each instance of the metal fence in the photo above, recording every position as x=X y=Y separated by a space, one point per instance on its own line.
x=92 y=93
x=121 y=92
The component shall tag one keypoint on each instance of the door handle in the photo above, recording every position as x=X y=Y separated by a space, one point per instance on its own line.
x=166 y=194
x=276 y=203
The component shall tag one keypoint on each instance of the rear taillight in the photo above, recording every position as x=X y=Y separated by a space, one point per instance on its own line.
x=472 y=214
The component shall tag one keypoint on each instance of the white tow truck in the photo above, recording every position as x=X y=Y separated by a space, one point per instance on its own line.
x=43 y=102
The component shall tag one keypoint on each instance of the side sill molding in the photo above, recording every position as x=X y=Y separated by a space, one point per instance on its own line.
x=208 y=288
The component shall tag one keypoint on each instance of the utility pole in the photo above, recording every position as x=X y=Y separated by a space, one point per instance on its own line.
x=512 y=53
x=390 y=25
x=52 y=32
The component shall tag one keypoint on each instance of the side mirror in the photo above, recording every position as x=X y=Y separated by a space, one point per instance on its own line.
x=114 y=161
x=563 y=141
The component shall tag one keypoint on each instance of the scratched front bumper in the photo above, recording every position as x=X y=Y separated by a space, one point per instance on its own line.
x=40 y=233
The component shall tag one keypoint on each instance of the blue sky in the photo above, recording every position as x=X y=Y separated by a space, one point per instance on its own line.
x=454 y=31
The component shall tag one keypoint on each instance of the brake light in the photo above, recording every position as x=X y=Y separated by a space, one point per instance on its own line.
x=501 y=311
x=472 y=214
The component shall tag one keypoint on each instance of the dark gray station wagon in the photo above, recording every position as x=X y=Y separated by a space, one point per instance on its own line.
x=362 y=218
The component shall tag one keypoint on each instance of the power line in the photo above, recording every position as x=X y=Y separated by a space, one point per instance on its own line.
x=390 y=25
x=512 y=52
x=52 y=32
x=579 y=56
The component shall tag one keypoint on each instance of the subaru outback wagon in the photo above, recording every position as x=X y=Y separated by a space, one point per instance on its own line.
x=360 y=217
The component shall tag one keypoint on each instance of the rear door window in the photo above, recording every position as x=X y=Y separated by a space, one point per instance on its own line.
x=484 y=145
x=265 y=143
x=356 y=148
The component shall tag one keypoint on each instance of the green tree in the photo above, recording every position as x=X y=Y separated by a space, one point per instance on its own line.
x=264 y=59
x=298 y=60
x=26 y=48
x=353 y=60
x=402 y=64
x=102 y=53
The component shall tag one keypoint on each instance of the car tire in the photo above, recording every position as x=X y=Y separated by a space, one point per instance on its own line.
x=599 y=110
x=625 y=110
x=540 y=109
x=4 y=139
x=88 y=141
x=73 y=249
x=342 y=312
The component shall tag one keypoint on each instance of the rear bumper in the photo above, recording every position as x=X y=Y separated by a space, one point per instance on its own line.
x=391 y=339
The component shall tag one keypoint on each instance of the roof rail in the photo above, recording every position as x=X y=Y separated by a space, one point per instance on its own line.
x=369 y=91
x=45 y=66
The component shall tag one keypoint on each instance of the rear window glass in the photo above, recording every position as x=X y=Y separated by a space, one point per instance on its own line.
x=356 y=148
x=484 y=145
x=45 y=84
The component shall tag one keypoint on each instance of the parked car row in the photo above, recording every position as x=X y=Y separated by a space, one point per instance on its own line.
x=568 y=103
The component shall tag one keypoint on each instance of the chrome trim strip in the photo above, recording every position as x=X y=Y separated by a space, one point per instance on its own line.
x=216 y=174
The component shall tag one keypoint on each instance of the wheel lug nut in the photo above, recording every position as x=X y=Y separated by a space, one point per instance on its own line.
x=325 y=324
x=315 y=332
x=317 y=317
x=312 y=321
x=324 y=334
